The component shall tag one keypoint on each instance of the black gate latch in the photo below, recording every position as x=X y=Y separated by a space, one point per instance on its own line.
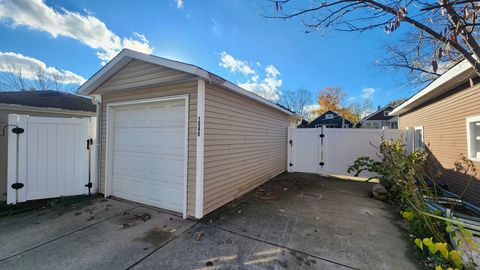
x=89 y=142
x=321 y=163
x=17 y=185
x=18 y=130
x=89 y=185
x=322 y=135
x=291 y=142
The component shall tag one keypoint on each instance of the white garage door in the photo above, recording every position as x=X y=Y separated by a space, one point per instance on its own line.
x=149 y=153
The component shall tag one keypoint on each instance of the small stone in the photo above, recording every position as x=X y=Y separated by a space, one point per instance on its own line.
x=379 y=192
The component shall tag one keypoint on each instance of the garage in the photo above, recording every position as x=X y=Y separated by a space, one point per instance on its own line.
x=154 y=109
x=148 y=152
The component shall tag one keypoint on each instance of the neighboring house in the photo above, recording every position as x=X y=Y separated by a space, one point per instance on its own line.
x=37 y=103
x=380 y=119
x=329 y=119
x=445 y=120
x=178 y=137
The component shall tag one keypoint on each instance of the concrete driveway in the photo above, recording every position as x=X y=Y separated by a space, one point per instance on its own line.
x=296 y=221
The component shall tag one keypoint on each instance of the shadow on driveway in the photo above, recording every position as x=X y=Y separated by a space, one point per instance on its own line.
x=295 y=221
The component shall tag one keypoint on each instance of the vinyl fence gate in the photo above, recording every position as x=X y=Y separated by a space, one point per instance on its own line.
x=330 y=151
x=50 y=157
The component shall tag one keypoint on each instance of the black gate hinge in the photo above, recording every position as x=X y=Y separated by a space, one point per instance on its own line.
x=89 y=185
x=321 y=164
x=17 y=185
x=322 y=135
x=18 y=130
x=290 y=164
x=291 y=142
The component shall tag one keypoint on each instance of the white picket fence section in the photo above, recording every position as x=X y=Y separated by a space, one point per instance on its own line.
x=50 y=157
x=330 y=151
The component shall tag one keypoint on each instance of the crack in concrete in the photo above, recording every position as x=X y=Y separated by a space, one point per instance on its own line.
x=280 y=246
x=159 y=247
x=62 y=236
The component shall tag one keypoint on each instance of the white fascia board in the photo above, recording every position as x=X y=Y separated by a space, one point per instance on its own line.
x=124 y=57
x=448 y=80
x=238 y=89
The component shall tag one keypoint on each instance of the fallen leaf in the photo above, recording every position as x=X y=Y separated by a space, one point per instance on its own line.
x=199 y=236
x=145 y=217
x=281 y=210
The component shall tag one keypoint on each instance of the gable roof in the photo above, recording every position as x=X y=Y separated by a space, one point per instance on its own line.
x=381 y=110
x=455 y=76
x=322 y=120
x=48 y=99
x=126 y=55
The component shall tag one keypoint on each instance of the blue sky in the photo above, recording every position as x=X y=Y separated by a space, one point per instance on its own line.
x=228 y=38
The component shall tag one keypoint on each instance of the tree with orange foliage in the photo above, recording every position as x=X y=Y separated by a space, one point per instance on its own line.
x=334 y=99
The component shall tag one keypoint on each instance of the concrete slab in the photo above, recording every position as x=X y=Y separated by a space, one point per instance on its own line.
x=332 y=219
x=116 y=242
x=30 y=229
x=296 y=221
x=218 y=249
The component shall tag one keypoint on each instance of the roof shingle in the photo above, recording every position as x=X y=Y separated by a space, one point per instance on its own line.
x=48 y=99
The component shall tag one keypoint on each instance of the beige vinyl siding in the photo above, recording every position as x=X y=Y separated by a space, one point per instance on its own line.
x=141 y=74
x=154 y=92
x=245 y=146
x=445 y=133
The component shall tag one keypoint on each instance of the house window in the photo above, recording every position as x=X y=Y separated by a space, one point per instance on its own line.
x=418 y=139
x=473 y=137
x=329 y=116
x=386 y=113
x=393 y=125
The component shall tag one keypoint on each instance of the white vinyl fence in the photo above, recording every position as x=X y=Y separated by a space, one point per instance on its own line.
x=49 y=157
x=330 y=151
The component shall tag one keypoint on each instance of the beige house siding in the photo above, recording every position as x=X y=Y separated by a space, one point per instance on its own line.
x=154 y=92
x=141 y=74
x=445 y=133
x=245 y=145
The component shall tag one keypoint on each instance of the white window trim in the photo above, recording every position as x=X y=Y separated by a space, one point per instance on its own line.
x=470 y=138
x=108 y=188
x=423 y=138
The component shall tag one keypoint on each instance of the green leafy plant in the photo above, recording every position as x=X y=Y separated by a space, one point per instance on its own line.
x=409 y=180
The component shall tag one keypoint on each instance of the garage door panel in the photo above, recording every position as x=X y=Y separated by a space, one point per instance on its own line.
x=149 y=153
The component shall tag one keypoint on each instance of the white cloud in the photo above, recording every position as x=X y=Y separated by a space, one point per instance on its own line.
x=268 y=87
x=229 y=62
x=215 y=27
x=180 y=3
x=368 y=92
x=309 y=111
x=87 y=29
x=29 y=66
